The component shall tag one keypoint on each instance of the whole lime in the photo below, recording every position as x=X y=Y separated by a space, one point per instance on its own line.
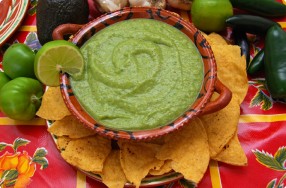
x=18 y=61
x=210 y=15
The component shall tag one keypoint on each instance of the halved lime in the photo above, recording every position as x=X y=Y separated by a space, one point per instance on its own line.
x=55 y=57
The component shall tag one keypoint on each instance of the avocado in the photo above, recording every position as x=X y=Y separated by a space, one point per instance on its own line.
x=52 y=13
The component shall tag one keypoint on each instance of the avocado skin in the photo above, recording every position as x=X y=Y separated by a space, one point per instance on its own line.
x=52 y=13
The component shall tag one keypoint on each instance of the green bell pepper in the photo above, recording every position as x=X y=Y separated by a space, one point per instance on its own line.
x=275 y=62
x=20 y=98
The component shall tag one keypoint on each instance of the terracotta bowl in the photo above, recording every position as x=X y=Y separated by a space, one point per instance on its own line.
x=202 y=105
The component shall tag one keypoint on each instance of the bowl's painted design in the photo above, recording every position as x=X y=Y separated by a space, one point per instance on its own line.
x=12 y=14
x=201 y=106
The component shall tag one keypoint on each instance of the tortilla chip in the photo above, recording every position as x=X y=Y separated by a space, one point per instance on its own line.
x=231 y=67
x=158 y=141
x=232 y=153
x=215 y=39
x=88 y=153
x=221 y=126
x=163 y=170
x=137 y=159
x=112 y=173
x=189 y=151
x=71 y=127
x=53 y=106
x=62 y=142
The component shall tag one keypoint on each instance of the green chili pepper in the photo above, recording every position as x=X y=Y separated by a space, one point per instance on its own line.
x=275 y=62
x=250 y=24
x=240 y=39
x=269 y=8
x=257 y=63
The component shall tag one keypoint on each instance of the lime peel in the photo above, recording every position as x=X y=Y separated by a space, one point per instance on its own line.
x=210 y=15
x=55 y=57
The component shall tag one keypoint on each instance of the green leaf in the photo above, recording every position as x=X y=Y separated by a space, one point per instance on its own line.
x=32 y=11
x=261 y=87
x=40 y=152
x=267 y=102
x=261 y=99
x=10 y=174
x=261 y=81
x=268 y=160
x=280 y=155
x=41 y=161
x=34 y=2
x=3 y=145
x=10 y=183
x=258 y=81
x=271 y=184
x=20 y=142
x=33 y=8
x=257 y=99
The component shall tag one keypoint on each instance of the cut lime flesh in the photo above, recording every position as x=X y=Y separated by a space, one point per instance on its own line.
x=56 y=57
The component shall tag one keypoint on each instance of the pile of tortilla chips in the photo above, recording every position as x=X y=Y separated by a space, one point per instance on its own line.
x=187 y=151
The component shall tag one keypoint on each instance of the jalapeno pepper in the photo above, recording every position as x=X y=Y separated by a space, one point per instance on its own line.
x=269 y=8
x=241 y=40
x=257 y=63
x=275 y=62
x=250 y=24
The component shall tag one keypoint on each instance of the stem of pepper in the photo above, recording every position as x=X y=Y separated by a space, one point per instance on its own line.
x=34 y=99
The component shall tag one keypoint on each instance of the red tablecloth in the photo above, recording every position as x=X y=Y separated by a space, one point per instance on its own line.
x=260 y=130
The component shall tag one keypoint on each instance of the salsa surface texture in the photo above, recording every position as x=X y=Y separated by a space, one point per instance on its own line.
x=140 y=74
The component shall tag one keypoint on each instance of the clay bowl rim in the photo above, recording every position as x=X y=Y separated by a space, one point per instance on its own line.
x=208 y=85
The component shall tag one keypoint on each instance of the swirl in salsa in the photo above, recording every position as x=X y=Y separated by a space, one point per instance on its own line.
x=140 y=74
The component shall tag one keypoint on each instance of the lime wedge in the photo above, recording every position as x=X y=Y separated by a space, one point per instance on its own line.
x=55 y=57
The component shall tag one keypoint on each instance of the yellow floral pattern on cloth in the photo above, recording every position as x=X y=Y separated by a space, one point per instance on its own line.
x=17 y=168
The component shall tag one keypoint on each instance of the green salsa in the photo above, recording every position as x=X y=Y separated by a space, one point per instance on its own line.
x=140 y=74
